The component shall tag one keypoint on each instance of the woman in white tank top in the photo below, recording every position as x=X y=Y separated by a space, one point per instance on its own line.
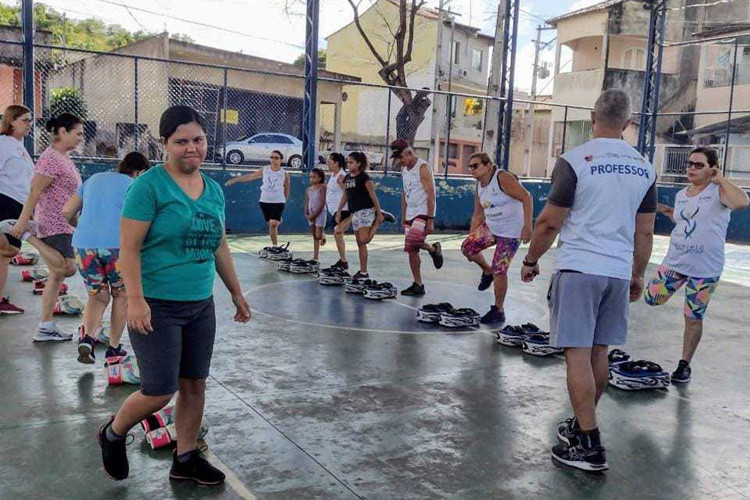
x=273 y=192
x=696 y=248
x=503 y=212
x=334 y=191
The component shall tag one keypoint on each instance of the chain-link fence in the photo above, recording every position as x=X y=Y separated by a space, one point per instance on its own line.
x=251 y=111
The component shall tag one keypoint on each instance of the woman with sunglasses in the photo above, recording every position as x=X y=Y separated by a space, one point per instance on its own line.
x=696 y=248
x=273 y=192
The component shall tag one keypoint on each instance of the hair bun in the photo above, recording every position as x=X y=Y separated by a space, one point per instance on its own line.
x=50 y=125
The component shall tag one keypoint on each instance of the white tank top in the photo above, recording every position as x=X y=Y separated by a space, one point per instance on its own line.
x=696 y=248
x=597 y=237
x=334 y=192
x=272 y=190
x=416 y=196
x=502 y=213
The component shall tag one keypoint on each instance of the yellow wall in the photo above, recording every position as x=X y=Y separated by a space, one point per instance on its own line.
x=347 y=53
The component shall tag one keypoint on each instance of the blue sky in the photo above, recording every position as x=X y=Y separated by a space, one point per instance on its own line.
x=267 y=30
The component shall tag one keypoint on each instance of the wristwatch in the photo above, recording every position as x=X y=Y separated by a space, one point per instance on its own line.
x=529 y=264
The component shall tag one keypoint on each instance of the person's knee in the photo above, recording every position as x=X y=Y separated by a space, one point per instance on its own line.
x=8 y=251
x=273 y=224
x=69 y=269
x=101 y=295
x=693 y=323
x=118 y=294
x=192 y=388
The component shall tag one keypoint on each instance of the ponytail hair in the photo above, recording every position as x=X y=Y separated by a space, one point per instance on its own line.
x=65 y=120
x=360 y=158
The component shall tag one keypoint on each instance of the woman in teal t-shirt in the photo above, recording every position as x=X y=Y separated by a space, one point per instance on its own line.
x=172 y=245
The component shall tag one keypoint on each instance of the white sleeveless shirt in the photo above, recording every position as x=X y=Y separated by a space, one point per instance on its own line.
x=696 y=248
x=272 y=190
x=334 y=192
x=503 y=214
x=416 y=196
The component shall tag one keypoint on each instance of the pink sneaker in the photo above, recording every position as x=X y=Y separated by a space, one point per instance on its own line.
x=7 y=308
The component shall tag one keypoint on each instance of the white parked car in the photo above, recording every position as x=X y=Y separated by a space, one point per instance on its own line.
x=257 y=148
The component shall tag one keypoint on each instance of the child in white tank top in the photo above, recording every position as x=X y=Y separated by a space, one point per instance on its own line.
x=315 y=209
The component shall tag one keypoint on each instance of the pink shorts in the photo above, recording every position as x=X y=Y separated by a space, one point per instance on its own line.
x=481 y=239
x=415 y=234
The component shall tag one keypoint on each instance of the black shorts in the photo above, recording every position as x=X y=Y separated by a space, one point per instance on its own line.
x=10 y=209
x=272 y=211
x=180 y=346
x=63 y=243
x=332 y=218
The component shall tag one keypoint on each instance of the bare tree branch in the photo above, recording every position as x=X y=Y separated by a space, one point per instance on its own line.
x=369 y=44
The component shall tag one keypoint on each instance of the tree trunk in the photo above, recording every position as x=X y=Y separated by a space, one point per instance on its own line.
x=411 y=115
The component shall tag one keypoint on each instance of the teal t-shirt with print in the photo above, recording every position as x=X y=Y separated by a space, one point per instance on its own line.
x=177 y=256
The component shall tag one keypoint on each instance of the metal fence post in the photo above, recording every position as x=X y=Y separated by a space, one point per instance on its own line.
x=28 y=66
x=565 y=129
x=225 y=97
x=387 y=133
x=136 y=131
x=731 y=104
x=449 y=111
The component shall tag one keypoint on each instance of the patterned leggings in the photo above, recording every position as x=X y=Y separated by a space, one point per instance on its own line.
x=667 y=281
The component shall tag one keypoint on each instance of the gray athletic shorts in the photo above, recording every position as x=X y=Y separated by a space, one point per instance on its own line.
x=180 y=346
x=587 y=310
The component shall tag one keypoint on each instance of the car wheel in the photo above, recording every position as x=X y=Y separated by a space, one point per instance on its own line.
x=295 y=161
x=235 y=157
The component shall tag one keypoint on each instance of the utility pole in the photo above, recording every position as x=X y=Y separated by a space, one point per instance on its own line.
x=436 y=107
x=493 y=86
x=529 y=126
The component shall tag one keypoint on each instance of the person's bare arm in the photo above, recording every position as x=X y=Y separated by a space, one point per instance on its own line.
x=642 y=247
x=374 y=197
x=428 y=183
x=513 y=188
x=341 y=206
x=228 y=274
x=547 y=228
x=132 y=234
x=72 y=208
x=477 y=218
x=38 y=184
x=287 y=185
x=732 y=196
x=258 y=174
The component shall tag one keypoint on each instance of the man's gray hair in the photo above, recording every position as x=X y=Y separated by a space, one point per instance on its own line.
x=613 y=107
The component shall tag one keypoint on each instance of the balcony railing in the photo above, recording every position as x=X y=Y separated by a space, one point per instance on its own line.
x=722 y=77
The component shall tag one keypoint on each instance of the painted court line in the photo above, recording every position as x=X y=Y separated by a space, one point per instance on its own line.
x=233 y=481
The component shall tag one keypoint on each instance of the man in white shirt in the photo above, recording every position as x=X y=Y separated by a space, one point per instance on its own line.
x=602 y=203
x=418 y=205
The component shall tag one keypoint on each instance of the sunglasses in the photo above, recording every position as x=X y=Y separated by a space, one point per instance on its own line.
x=275 y=157
x=696 y=165
x=475 y=166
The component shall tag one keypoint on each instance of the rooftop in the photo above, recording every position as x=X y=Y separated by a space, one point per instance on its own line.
x=593 y=8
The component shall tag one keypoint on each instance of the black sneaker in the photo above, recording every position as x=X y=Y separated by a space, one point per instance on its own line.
x=682 y=374
x=359 y=275
x=437 y=256
x=486 y=281
x=493 y=316
x=414 y=289
x=114 y=456
x=196 y=469
x=388 y=217
x=86 y=350
x=115 y=351
x=341 y=265
x=592 y=460
x=567 y=431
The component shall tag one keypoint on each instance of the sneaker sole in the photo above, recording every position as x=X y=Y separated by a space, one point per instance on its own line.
x=584 y=466
x=84 y=354
x=54 y=339
x=11 y=313
x=172 y=477
x=678 y=381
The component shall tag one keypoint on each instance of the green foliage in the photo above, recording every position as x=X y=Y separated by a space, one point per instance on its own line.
x=68 y=100
x=300 y=61
x=90 y=34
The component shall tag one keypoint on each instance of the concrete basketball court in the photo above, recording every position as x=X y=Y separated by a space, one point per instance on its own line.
x=326 y=395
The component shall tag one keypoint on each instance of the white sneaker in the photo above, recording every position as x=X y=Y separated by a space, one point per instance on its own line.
x=7 y=225
x=52 y=335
